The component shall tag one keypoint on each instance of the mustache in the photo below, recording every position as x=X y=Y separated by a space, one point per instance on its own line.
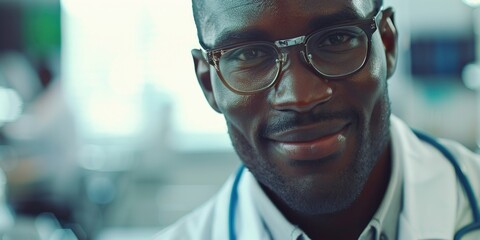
x=289 y=120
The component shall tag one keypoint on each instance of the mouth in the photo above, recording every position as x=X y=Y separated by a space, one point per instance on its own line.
x=316 y=142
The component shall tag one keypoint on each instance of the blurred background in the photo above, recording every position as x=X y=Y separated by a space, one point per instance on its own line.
x=104 y=133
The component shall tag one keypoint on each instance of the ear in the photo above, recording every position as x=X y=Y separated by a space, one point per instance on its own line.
x=389 y=35
x=202 y=70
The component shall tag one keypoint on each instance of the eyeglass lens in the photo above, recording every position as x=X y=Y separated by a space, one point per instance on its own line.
x=333 y=53
x=251 y=67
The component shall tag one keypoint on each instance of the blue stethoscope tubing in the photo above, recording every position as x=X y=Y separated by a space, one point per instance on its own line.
x=475 y=225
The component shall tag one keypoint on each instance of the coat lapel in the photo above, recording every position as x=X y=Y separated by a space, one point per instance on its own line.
x=429 y=190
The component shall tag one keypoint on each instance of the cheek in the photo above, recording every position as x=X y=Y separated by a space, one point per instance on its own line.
x=240 y=111
x=369 y=85
x=229 y=103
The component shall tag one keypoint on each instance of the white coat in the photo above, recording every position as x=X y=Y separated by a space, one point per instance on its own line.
x=434 y=203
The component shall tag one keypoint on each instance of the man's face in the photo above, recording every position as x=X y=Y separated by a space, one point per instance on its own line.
x=310 y=142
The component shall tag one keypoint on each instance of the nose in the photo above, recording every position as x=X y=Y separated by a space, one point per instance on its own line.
x=299 y=87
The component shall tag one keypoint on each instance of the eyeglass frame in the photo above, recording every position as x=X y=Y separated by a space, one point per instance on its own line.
x=369 y=26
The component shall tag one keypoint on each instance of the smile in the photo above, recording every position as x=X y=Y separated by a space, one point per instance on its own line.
x=311 y=143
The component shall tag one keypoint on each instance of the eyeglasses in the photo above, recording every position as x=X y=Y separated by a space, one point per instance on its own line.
x=334 y=52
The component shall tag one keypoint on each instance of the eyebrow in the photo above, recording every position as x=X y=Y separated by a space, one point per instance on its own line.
x=346 y=14
x=229 y=37
x=233 y=36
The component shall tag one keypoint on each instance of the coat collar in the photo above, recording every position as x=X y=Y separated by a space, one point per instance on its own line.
x=430 y=190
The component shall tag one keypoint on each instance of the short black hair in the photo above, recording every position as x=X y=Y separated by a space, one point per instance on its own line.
x=377 y=3
x=198 y=7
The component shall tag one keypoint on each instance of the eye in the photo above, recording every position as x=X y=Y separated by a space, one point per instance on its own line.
x=336 y=39
x=250 y=53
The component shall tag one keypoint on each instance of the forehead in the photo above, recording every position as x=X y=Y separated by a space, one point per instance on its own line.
x=276 y=19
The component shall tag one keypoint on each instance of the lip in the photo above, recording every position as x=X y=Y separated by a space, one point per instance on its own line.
x=311 y=143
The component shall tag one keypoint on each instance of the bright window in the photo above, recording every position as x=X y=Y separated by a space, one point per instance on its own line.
x=126 y=60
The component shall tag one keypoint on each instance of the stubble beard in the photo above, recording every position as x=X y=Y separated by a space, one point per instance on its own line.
x=295 y=192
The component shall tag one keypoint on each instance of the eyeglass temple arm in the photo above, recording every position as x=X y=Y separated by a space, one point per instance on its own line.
x=377 y=17
x=209 y=58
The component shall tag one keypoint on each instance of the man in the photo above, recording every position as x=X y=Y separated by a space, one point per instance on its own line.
x=303 y=89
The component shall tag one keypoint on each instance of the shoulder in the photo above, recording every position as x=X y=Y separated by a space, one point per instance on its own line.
x=425 y=153
x=191 y=226
x=468 y=160
x=469 y=163
x=205 y=222
x=430 y=180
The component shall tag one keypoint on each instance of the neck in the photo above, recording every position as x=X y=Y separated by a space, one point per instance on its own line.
x=355 y=218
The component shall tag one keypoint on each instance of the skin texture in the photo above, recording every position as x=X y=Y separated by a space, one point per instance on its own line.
x=325 y=189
